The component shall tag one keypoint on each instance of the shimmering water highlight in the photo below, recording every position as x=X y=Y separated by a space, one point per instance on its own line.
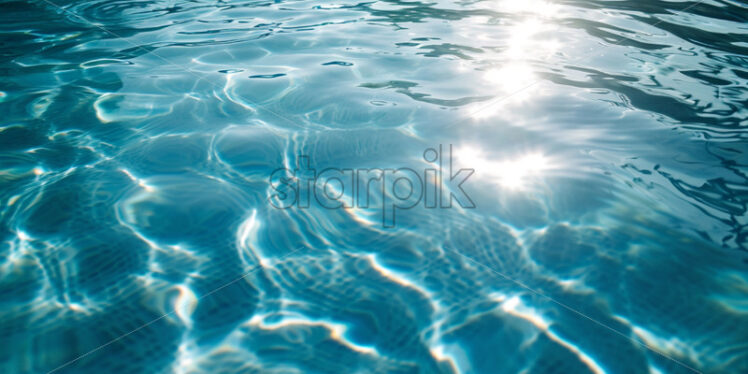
x=137 y=141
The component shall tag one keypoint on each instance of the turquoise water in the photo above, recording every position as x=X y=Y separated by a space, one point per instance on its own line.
x=152 y=218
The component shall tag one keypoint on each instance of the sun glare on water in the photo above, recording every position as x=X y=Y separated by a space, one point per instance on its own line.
x=515 y=173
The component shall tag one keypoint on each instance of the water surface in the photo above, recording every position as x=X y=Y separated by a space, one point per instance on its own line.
x=137 y=233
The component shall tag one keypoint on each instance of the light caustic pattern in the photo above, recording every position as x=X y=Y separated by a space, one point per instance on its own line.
x=137 y=234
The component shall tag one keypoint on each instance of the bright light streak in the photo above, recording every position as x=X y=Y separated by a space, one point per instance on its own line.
x=513 y=174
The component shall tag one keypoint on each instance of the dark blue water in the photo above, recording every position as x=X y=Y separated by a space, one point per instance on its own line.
x=154 y=219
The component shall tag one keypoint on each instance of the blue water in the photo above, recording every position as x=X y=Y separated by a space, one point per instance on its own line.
x=143 y=230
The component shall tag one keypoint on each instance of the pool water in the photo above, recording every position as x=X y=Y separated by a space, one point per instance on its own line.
x=491 y=186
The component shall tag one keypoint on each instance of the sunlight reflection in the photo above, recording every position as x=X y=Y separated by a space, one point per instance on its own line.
x=529 y=39
x=538 y=7
x=511 y=78
x=513 y=81
x=515 y=174
x=524 y=42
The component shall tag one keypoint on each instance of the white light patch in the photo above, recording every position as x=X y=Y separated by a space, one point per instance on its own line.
x=185 y=304
x=140 y=182
x=511 y=78
x=512 y=174
x=537 y=7
x=23 y=236
x=360 y=215
x=515 y=307
x=246 y=241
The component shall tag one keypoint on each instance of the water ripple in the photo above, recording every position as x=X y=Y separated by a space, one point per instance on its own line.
x=137 y=231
